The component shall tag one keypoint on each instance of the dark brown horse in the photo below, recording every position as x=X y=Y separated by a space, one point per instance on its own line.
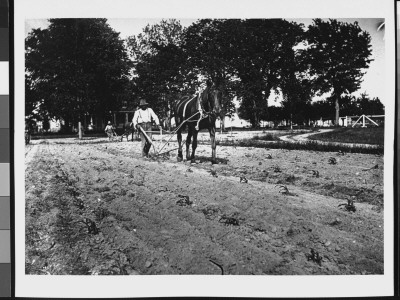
x=188 y=112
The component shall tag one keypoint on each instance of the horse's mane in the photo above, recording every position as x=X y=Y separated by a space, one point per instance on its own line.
x=205 y=96
x=205 y=99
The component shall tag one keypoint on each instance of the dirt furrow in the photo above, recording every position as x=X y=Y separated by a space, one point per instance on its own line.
x=98 y=208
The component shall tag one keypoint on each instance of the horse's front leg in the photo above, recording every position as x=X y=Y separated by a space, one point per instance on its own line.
x=213 y=145
x=194 y=145
x=179 y=137
x=188 y=141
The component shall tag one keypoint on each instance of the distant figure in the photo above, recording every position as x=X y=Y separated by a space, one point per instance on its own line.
x=143 y=118
x=109 y=130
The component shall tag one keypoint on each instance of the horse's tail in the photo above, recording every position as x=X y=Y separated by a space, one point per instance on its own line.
x=174 y=113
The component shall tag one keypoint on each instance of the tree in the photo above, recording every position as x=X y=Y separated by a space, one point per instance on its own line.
x=167 y=32
x=159 y=65
x=160 y=79
x=322 y=109
x=367 y=106
x=208 y=50
x=77 y=66
x=337 y=53
x=348 y=106
x=294 y=81
x=275 y=114
x=32 y=100
x=260 y=50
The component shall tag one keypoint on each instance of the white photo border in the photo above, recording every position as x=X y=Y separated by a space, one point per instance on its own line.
x=197 y=285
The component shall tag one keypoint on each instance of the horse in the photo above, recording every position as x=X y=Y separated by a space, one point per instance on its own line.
x=198 y=112
x=128 y=130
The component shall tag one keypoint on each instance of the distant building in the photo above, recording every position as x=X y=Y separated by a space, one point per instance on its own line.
x=324 y=123
x=234 y=121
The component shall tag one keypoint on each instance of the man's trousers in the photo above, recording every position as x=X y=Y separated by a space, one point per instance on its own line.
x=145 y=143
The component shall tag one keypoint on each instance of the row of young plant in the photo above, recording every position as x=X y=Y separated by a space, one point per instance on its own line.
x=309 y=146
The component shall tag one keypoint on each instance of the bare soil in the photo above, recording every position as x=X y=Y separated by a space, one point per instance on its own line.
x=97 y=207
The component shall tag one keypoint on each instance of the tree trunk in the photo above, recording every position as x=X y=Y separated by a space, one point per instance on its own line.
x=256 y=120
x=222 y=122
x=256 y=110
x=337 y=110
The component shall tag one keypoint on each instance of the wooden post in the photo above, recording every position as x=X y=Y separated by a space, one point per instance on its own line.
x=291 y=122
x=372 y=121
x=161 y=133
x=357 y=121
x=80 y=130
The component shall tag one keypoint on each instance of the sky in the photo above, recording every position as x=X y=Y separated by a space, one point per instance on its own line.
x=373 y=80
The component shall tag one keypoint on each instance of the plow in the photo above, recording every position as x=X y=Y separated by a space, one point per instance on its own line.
x=157 y=150
x=171 y=133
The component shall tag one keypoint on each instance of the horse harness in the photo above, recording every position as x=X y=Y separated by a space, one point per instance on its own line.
x=203 y=114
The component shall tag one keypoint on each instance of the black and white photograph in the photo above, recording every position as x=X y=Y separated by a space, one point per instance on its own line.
x=257 y=146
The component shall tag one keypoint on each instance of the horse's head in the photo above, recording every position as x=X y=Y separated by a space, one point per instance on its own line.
x=212 y=98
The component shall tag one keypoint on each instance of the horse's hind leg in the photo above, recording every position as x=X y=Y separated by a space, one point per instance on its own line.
x=188 y=140
x=179 y=137
x=213 y=145
x=194 y=145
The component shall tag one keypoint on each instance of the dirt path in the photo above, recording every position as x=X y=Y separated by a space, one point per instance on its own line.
x=302 y=137
x=97 y=208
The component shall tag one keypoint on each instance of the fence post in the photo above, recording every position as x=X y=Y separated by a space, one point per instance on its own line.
x=80 y=130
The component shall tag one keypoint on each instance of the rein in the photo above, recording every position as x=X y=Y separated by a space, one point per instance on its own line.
x=204 y=115
x=176 y=129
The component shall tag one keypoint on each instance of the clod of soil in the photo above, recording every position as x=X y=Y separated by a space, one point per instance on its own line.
x=114 y=213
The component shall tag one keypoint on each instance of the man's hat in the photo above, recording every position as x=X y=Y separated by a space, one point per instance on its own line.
x=143 y=102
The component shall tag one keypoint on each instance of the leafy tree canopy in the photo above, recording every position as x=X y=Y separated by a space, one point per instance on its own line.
x=265 y=50
x=159 y=65
x=76 y=66
x=337 y=56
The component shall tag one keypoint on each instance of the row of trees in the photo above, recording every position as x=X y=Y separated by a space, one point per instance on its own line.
x=80 y=66
x=304 y=112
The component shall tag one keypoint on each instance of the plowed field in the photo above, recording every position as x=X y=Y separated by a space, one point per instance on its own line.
x=97 y=207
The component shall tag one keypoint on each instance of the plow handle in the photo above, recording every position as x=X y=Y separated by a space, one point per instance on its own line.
x=147 y=137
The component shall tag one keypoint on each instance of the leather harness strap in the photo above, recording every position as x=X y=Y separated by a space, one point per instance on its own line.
x=184 y=108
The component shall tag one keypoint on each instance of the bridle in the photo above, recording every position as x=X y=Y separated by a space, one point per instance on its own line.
x=210 y=93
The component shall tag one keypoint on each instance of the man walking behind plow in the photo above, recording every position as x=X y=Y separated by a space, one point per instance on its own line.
x=143 y=117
